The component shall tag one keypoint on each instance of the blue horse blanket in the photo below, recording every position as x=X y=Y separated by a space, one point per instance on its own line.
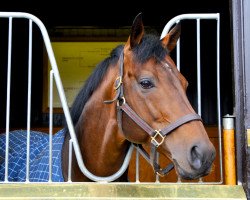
x=39 y=156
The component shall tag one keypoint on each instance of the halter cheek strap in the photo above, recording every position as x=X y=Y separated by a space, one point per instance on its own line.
x=157 y=136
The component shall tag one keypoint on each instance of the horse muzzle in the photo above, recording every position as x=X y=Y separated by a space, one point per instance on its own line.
x=200 y=162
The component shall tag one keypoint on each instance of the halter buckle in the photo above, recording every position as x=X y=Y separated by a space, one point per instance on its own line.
x=121 y=101
x=118 y=82
x=153 y=138
x=160 y=174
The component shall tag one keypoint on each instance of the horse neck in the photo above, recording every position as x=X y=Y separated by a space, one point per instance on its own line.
x=102 y=144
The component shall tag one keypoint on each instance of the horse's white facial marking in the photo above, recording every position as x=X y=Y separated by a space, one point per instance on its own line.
x=166 y=66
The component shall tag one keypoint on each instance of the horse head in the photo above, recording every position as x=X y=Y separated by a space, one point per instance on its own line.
x=146 y=104
x=155 y=91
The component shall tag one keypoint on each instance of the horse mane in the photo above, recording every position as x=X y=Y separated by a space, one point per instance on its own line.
x=149 y=47
x=93 y=82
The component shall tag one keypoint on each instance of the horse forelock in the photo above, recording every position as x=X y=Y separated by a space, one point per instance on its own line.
x=92 y=83
x=150 y=47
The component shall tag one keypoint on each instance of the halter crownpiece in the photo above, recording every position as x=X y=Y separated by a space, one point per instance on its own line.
x=157 y=136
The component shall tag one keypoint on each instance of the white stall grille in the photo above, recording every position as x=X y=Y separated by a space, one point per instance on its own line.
x=54 y=76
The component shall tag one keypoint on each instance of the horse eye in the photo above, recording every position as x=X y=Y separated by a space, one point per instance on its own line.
x=146 y=84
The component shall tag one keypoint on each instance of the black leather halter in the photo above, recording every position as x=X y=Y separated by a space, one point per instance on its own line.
x=157 y=136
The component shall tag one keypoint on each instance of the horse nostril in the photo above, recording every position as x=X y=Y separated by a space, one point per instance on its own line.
x=196 y=158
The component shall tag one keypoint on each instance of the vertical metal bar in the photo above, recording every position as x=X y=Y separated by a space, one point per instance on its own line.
x=29 y=101
x=198 y=57
x=50 y=123
x=157 y=179
x=179 y=179
x=70 y=160
x=198 y=65
x=178 y=53
x=8 y=101
x=137 y=167
x=218 y=96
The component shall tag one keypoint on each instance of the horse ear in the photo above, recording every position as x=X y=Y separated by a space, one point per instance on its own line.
x=137 y=32
x=170 y=40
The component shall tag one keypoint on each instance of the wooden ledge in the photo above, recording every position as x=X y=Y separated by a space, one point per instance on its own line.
x=122 y=191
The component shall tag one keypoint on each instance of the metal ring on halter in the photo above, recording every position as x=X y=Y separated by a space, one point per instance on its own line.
x=118 y=82
x=121 y=101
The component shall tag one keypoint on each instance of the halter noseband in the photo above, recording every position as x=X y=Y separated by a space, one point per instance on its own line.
x=157 y=136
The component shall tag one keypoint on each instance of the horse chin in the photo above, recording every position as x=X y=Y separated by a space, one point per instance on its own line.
x=183 y=174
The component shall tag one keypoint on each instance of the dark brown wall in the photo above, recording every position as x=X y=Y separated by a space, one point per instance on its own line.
x=241 y=60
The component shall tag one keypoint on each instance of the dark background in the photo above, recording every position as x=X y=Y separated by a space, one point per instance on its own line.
x=107 y=14
x=112 y=13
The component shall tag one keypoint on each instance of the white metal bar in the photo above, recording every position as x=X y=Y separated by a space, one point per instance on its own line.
x=198 y=64
x=179 y=179
x=70 y=161
x=8 y=101
x=178 y=55
x=157 y=178
x=29 y=101
x=218 y=95
x=50 y=123
x=137 y=167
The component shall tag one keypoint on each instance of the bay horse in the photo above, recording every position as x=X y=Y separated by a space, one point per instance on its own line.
x=137 y=95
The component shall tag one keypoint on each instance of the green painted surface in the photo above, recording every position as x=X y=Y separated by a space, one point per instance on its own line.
x=119 y=191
